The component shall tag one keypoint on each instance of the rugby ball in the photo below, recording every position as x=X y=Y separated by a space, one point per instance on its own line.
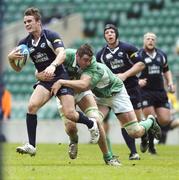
x=24 y=50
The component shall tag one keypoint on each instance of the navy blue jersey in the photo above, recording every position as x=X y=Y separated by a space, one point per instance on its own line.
x=43 y=52
x=153 y=72
x=120 y=59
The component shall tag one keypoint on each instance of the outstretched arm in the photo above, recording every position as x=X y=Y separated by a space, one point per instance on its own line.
x=80 y=85
x=134 y=70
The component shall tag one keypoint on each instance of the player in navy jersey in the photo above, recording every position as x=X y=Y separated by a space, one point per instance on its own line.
x=47 y=52
x=123 y=60
x=154 y=96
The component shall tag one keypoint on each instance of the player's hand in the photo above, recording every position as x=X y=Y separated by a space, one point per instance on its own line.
x=56 y=86
x=43 y=76
x=171 y=88
x=15 y=54
x=142 y=82
x=49 y=71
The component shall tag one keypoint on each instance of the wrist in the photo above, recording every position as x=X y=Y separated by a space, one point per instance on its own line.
x=54 y=64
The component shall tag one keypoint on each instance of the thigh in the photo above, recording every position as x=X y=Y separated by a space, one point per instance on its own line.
x=163 y=115
x=86 y=102
x=39 y=96
x=104 y=110
x=149 y=110
x=126 y=117
x=139 y=114
x=67 y=102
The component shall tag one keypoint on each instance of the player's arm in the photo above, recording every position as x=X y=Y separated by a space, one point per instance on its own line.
x=134 y=70
x=12 y=57
x=61 y=55
x=82 y=84
x=169 y=80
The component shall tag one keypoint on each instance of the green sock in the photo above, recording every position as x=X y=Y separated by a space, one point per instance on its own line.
x=109 y=145
x=107 y=156
x=146 y=123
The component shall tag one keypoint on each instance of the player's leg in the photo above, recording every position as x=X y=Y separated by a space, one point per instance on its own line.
x=135 y=97
x=88 y=105
x=38 y=98
x=164 y=120
x=106 y=127
x=68 y=108
x=71 y=130
x=123 y=108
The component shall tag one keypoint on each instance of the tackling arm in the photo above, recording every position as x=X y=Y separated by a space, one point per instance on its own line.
x=80 y=85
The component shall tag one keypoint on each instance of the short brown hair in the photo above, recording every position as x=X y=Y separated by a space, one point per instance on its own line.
x=32 y=11
x=85 y=49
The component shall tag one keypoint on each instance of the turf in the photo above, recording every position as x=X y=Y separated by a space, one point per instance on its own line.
x=52 y=163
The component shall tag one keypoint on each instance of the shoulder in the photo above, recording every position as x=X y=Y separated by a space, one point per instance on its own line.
x=24 y=40
x=50 y=34
x=127 y=46
x=100 y=52
x=141 y=51
x=159 y=51
x=70 y=51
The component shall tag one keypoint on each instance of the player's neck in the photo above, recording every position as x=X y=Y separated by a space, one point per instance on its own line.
x=150 y=51
x=113 y=45
x=36 y=35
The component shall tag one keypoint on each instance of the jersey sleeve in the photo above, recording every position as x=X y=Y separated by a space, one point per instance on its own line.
x=133 y=54
x=55 y=39
x=98 y=56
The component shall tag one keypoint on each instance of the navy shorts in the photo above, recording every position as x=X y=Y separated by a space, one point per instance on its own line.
x=62 y=91
x=135 y=97
x=155 y=98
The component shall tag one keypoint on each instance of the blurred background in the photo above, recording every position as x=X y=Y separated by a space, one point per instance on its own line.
x=78 y=22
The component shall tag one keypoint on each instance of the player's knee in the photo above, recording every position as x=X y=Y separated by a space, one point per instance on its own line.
x=93 y=112
x=70 y=114
x=134 y=130
x=32 y=108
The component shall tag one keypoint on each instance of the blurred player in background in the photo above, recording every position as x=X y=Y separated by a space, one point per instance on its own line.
x=47 y=53
x=154 y=96
x=109 y=90
x=123 y=60
x=174 y=123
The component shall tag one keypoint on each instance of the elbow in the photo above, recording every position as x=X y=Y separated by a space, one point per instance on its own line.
x=84 y=87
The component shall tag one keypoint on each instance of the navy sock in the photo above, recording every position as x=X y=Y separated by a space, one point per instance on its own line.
x=31 y=121
x=151 y=140
x=129 y=141
x=85 y=120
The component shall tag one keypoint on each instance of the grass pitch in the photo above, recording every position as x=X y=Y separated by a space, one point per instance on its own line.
x=52 y=163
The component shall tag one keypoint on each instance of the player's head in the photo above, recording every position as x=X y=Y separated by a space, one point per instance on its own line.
x=150 y=41
x=111 y=34
x=111 y=26
x=84 y=55
x=32 y=19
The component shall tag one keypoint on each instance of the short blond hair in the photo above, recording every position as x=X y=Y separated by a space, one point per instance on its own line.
x=150 y=34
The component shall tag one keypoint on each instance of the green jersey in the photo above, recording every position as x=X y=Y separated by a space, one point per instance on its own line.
x=103 y=82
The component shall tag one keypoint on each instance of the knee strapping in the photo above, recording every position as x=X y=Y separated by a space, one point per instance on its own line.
x=132 y=128
x=94 y=112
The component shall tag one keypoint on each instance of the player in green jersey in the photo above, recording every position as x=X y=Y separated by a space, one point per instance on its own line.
x=109 y=90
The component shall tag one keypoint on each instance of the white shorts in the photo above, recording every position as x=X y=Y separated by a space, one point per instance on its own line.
x=78 y=97
x=119 y=103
